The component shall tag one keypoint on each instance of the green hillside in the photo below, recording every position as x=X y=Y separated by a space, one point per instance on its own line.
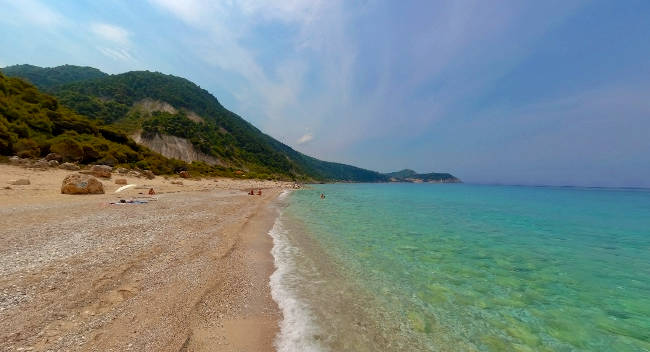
x=220 y=133
x=402 y=173
x=47 y=77
x=33 y=124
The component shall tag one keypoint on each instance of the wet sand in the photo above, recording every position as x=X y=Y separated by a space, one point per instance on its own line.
x=188 y=271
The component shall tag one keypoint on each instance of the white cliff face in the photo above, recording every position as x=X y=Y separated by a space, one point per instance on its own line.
x=171 y=146
x=175 y=147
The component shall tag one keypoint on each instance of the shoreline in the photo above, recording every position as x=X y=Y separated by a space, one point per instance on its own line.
x=188 y=271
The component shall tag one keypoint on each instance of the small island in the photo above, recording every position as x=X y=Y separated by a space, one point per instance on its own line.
x=411 y=176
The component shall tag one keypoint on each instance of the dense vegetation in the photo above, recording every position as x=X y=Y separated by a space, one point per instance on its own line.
x=402 y=173
x=33 y=124
x=48 y=77
x=112 y=100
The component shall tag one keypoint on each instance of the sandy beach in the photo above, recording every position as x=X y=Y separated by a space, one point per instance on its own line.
x=187 y=271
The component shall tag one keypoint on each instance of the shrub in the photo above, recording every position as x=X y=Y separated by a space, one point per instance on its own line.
x=108 y=159
x=90 y=154
x=68 y=148
x=27 y=148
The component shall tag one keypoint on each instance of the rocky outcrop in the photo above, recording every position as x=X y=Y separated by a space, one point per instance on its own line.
x=184 y=174
x=69 y=166
x=81 y=184
x=101 y=171
x=150 y=105
x=54 y=156
x=120 y=181
x=16 y=160
x=175 y=147
x=40 y=164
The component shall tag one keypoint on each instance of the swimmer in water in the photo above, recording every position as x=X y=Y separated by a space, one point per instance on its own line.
x=322 y=196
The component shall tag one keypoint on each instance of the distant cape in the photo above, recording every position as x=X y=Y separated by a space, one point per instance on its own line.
x=411 y=176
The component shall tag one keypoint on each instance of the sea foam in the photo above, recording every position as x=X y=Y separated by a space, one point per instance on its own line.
x=298 y=328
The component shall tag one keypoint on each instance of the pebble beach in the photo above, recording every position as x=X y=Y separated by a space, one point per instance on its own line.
x=186 y=269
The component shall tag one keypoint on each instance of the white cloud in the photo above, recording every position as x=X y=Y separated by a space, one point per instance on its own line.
x=304 y=139
x=112 y=33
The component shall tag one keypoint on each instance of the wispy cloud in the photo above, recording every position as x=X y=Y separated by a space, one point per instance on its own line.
x=305 y=138
x=113 y=41
x=116 y=54
x=112 y=33
x=190 y=11
x=459 y=85
x=31 y=11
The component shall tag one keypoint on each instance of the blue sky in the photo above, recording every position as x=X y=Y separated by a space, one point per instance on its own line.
x=523 y=92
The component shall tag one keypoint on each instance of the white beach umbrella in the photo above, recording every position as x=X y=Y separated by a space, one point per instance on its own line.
x=125 y=187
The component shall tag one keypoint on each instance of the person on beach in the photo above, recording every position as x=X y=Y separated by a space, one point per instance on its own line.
x=259 y=192
x=252 y=192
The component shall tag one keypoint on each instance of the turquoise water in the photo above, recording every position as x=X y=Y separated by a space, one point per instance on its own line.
x=468 y=268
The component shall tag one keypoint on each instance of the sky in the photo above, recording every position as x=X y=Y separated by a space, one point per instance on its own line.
x=510 y=92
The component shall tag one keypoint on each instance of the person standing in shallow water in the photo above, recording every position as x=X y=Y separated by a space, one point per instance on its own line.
x=322 y=196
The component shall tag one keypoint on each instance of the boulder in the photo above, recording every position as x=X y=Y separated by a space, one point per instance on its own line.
x=53 y=156
x=16 y=160
x=53 y=163
x=184 y=174
x=101 y=171
x=41 y=164
x=81 y=184
x=122 y=171
x=148 y=174
x=20 y=182
x=120 y=181
x=69 y=166
x=134 y=173
x=177 y=182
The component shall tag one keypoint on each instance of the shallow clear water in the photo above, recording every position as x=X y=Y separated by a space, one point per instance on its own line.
x=465 y=267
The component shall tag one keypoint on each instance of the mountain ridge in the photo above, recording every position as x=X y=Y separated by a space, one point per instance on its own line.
x=191 y=113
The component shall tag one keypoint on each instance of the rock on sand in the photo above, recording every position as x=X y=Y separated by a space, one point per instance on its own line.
x=19 y=182
x=81 y=184
x=69 y=166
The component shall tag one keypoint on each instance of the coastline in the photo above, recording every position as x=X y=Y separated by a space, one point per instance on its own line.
x=187 y=271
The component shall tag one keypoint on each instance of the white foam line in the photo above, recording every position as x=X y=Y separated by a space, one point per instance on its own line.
x=297 y=328
x=284 y=194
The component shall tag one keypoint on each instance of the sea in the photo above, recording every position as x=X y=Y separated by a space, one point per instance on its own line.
x=459 y=267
